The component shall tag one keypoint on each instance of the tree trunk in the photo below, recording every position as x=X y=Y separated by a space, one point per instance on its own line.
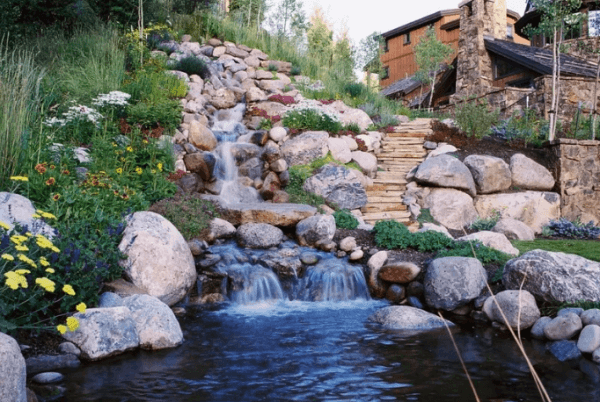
x=553 y=103
x=595 y=100
x=431 y=91
x=141 y=27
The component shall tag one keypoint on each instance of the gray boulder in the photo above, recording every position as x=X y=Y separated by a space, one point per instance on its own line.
x=305 y=148
x=589 y=339
x=554 y=276
x=259 y=235
x=493 y=240
x=408 y=319
x=563 y=327
x=104 y=332
x=12 y=371
x=591 y=316
x=446 y=171
x=452 y=282
x=366 y=161
x=315 y=229
x=537 y=331
x=155 y=322
x=451 y=208
x=519 y=308
x=159 y=260
x=340 y=151
x=564 y=350
x=339 y=185
x=528 y=174
x=16 y=209
x=110 y=299
x=514 y=229
x=491 y=174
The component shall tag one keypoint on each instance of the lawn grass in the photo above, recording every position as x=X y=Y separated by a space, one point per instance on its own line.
x=589 y=249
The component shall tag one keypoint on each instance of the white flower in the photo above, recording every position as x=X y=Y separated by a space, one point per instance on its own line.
x=114 y=98
x=76 y=113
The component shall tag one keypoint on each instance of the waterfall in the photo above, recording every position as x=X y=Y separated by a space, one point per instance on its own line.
x=334 y=280
x=252 y=284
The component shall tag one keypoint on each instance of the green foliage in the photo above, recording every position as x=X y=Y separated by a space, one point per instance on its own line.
x=190 y=214
x=368 y=56
x=589 y=249
x=298 y=174
x=483 y=253
x=355 y=89
x=391 y=234
x=488 y=223
x=273 y=67
x=193 y=65
x=425 y=217
x=430 y=54
x=474 y=118
x=265 y=124
x=354 y=127
x=165 y=113
x=295 y=70
x=345 y=220
x=311 y=119
x=523 y=126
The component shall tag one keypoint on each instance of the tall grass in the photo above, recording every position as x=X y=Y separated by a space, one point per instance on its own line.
x=21 y=104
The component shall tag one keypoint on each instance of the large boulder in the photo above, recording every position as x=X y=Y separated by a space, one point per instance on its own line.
x=259 y=235
x=340 y=151
x=159 y=260
x=491 y=174
x=519 y=308
x=155 y=322
x=305 y=148
x=514 y=229
x=563 y=327
x=223 y=99
x=493 y=240
x=554 y=276
x=339 y=185
x=13 y=373
x=16 y=209
x=366 y=161
x=104 y=332
x=408 y=318
x=255 y=95
x=348 y=115
x=452 y=282
x=452 y=208
x=530 y=175
x=274 y=214
x=202 y=137
x=446 y=171
x=317 y=228
x=535 y=209
x=399 y=272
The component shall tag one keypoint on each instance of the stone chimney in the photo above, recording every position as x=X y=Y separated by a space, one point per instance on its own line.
x=479 y=20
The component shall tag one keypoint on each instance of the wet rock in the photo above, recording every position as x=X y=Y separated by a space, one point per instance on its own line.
x=589 y=339
x=191 y=183
x=554 y=276
x=395 y=293
x=258 y=235
x=537 y=331
x=452 y=208
x=155 y=323
x=270 y=186
x=201 y=136
x=356 y=255
x=514 y=229
x=519 y=308
x=224 y=99
x=309 y=258
x=69 y=348
x=376 y=285
x=407 y=318
x=415 y=302
x=47 y=378
x=399 y=272
x=274 y=214
x=42 y=363
x=491 y=174
x=314 y=229
x=339 y=185
x=341 y=254
x=528 y=174
x=271 y=152
x=563 y=327
x=110 y=299
x=252 y=168
x=197 y=247
x=104 y=332
x=451 y=282
x=305 y=148
x=159 y=261
x=446 y=171
x=564 y=350
x=493 y=240
x=220 y=229
x=415 y=289
x=591 y=316
x=12 y=370
x=195 y=163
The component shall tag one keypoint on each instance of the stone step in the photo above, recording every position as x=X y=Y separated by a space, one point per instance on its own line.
x=375 y=216
x=405 y=134
x=383 y=156
x=387 y=187
x=373 y=200
x=384 y=193
x=381 y=208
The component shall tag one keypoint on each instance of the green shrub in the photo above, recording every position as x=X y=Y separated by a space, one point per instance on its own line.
x=189 y=213
x=474 y=118
x=345 y=220
x=298 y=174
x=430 y=240
x=391 y=234
x=193 y=65
x=165 y=113
x=481 y=224
x=354 y=127
x=484 y=254
x=425 y=217
x=355 y=89
x=296 y=70
x=311 y=119
x=273 y=67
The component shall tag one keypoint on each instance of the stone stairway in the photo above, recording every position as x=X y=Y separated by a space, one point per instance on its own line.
x=400 y=152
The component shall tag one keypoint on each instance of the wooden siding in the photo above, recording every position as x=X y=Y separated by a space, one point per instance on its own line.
x=400 y=57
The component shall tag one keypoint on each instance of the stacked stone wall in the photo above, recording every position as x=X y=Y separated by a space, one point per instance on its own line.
x=576 y=167
x=575 y=93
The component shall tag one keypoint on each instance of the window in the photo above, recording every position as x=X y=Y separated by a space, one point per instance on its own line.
x=510 y=31
x=386 y=73
x=504 y=68
x=407 y=38
x=386 y=46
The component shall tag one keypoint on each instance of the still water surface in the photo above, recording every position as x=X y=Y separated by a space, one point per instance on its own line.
x=303 y=351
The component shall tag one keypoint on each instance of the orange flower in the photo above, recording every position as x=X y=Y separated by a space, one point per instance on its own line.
x=125 y=197
x=41 y=169
x=66 y=172
x=56 y=197
x=50 y=181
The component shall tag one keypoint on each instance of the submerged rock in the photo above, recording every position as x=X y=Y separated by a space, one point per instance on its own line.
x=408 y=318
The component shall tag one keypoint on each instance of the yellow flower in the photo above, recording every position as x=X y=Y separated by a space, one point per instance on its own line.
x=12 y=283
x=129 y=149
x=153 y=171
x=138 y=170
x=68 y=289
x=122 y=159
x=50 y=270
x=145 y=141
x=160 y=166
x=4 y=226
x=62 y=329
x=22 y=248
x=23 y=271
x=29 y=234
x=55 y=249
x=46 y=283
x=119 y=170
x=19 y=178
x=81 y=307
x=72 y=323
x=43 y=242
x=44 y=262
x=114 y=145
x=8 y=257
x=14 y=280
x=18 y=239
x=26 y=260
x=48 y=215
x=36 y=216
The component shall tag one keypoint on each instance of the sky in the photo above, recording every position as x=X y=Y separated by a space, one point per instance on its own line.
x=363 y=18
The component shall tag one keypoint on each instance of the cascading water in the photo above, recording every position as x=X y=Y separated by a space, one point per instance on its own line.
x=334 y=280
x=227 y=127
x=253 y=284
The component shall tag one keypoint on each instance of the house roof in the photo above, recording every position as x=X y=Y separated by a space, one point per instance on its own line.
x=539 y=59
x=419 y=23
x=404 y=86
